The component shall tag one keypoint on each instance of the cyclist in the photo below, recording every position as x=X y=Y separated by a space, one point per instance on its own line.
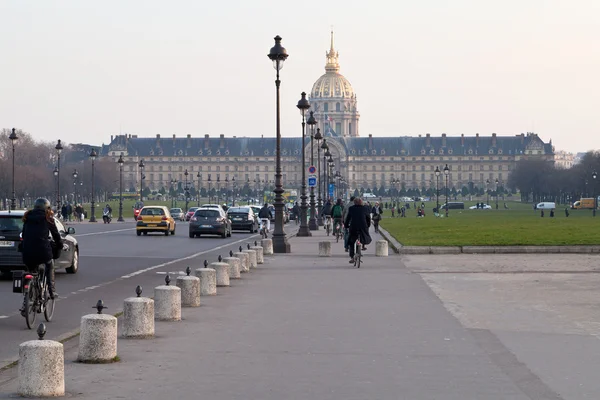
x=38 y=224
x=326 y=213
x=265 y=216
x=376 y=211
x=346 y=231
x=358 y=221
x=337 y=212
x=296 y=211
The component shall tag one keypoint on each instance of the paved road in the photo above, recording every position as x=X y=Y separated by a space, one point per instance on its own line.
x=113 y=260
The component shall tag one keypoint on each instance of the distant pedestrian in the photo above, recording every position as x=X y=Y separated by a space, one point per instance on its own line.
x=393 y=211
x=552 y=213
x=542 y=214
x=567 y=212
x=505 y=206
x=403 y=211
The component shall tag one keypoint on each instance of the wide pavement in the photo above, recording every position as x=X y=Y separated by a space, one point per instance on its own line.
x=113 y=261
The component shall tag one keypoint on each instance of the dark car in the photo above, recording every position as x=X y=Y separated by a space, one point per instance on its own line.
x=211 y=221
x=243 y=218
x=453 y=205
x=11 y=226
x=190 y=212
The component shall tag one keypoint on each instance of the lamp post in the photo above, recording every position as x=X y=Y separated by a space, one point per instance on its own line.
x=75 y=175
x=312 y=223
x=320 y=179
x=218 y=189
x=58 y=149
x=594 y=176
x=447 y=173
x=173 y=196
x=141 y=167
x=120 y=161
x=487 y=190
x=278 y=54
x=13 y=139
x=185 y=189
x=326 y=168
x=209 y=187
x=437 y=188
x=93 y=156
x=303 y=105
x=233 y=191
x=199 y=176
x=496 y=193
x=226 y=189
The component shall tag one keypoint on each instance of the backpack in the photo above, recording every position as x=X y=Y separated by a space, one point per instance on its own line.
x=337 y=211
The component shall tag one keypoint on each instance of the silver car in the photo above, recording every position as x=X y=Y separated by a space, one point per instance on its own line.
x=177 y=213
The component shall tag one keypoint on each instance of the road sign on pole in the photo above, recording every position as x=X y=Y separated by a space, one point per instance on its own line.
x=312 y=181
x=312 y=170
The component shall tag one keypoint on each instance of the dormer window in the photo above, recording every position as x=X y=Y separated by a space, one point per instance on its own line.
x=432 y=151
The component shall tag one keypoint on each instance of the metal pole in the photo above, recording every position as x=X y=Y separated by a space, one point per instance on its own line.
x=13 y=201
x=120 y=219
x=447 y=206
x=319 y=199
x=58 y=186
x=312 y=223
x=93 y=217
x=303 y=231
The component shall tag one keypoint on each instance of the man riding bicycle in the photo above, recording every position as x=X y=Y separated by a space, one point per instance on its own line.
x=358 y=221
x=337 y=212
x=38 y=225
x=326 y=213
x=265 y=217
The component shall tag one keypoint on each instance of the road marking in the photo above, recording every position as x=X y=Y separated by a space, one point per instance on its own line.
x=3 y=316
x=103 y=233
x=141 y=271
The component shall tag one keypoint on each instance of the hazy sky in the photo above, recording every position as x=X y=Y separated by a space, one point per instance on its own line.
x=83 y=70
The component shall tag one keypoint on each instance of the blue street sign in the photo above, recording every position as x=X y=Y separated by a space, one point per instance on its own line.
x=312 y=181
x=331 y=188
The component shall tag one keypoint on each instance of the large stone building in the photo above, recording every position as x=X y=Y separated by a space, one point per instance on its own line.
x=365 y=162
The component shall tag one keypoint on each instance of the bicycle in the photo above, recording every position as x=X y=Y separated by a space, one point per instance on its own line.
x=357 y=253
x=328 y=224
x=263 y=228
x=36 y=297
x=338 y=232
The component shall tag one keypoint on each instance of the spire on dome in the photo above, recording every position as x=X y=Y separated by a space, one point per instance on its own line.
x=333 y=64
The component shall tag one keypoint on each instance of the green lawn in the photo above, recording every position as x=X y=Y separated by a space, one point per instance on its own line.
x=519 y=225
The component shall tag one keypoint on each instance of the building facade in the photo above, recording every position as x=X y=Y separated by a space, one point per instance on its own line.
x=365 y=162
x=564 y=160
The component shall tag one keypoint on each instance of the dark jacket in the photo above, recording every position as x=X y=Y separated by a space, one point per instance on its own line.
x=358 y=219
x=264 y=213
x=326 y=209
x=36 y=242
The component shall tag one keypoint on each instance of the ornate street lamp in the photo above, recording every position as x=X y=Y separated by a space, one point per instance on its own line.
x=75 y=175
x=58 y=149
x=496 y=193
x=199 y=176
x=278 y=54
x=320 y=146
x=226 y=189
x=487 y=190
x=303 y=105
x=218 y=189
x=186 y=189
x=141 y=167
x=447 y=172
x=312 y=223
x=233 y=190
x=594 y=176
x=173 y=197
x=437 y=189
x=209 y=187
x=93 y=156
x=13 y=139
x=120 y=161
x=326 y=166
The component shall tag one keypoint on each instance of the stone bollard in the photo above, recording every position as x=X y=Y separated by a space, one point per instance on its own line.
x=208 y=281
x=259 y=254
x=41 y=367
x=222 y=271
x=98 y=337
x=244 y=261
x=234 y=267
x=251 y=258
x=168 y=302
x=138 y=316
x=325 y=249
x=190 y=289
x=267 y=245
x=381 y=248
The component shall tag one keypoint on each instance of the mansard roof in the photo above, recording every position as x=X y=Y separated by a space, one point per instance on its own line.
x=422 y=145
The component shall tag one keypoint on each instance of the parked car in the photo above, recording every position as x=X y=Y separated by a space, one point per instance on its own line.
x=243 y=218
x=155 y=219
x=483 y=206
x=11 y=226
x=546 y=205
x=190 y=212
x=453 y=205
x=212 y=221
x=137 y=207
x=177 y=213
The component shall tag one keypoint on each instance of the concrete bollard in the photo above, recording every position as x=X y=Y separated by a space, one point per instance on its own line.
x=41 y=367
x=138 y=316
x=251 y=258
x=325 y=249
x=208 y=281
x=167 y=301
x=244 y=261
x=259 y=254
x=381 y=248
x=222 y=271
x=98 y=337
x=190 y=290
x=234 y=267
x=267 y=245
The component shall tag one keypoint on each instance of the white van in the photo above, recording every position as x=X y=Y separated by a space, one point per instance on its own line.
x=546 y=206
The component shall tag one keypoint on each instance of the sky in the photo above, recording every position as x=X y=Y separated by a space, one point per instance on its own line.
x=82 y=71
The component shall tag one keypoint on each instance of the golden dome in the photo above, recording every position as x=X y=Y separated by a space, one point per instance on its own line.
x=332 y=84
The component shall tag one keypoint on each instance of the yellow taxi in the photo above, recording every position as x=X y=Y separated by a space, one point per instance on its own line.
x=155 y=219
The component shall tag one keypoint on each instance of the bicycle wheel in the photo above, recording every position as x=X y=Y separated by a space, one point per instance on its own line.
x=48 y=306
x=29 y=305
x=358 y=256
